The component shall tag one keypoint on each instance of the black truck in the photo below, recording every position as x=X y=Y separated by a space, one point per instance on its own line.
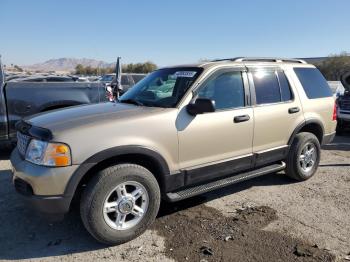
x=343 y=105
x=21 y=99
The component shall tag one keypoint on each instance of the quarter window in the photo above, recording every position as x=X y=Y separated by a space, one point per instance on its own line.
x=313 y=82
x=225 y=89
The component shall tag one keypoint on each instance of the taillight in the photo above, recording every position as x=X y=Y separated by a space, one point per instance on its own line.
x=334 y=118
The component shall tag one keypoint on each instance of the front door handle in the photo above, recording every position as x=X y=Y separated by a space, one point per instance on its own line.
x=243 y=118
x=293 y=110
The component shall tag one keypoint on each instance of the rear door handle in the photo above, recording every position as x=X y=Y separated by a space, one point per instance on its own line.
x=243 y=118
x=293 y=110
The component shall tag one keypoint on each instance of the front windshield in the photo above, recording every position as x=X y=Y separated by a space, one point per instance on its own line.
x=163 y=88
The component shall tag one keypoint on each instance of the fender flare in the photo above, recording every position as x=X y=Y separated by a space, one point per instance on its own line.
x=97 y=158
x=303 y=124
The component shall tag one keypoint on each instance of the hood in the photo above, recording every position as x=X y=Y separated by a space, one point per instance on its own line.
x=92 y=114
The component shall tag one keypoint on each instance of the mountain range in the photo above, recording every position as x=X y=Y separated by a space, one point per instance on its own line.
x=66 y=64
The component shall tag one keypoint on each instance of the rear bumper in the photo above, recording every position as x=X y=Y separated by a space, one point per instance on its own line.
x=327 y=139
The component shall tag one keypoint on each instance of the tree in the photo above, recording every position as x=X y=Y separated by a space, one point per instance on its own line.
x=19 y=69
x=80 y=69
x=335 y=66
x=144 y=68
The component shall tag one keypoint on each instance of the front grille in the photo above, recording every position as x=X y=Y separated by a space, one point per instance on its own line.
x=345 y=104
x=22 y=143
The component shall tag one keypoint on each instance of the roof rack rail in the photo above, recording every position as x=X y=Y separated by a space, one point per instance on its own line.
x=262 y=59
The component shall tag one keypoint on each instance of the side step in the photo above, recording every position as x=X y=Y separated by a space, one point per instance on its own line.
x=197 y=190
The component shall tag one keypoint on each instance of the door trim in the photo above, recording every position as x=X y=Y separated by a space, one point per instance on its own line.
x=228 y=167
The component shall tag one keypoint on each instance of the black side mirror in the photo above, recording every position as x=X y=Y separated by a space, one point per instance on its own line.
x=200 y=106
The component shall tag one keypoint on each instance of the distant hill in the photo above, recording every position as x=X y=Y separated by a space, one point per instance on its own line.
x=66 y=64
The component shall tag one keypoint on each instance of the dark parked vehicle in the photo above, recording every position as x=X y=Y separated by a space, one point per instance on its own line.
x=127 y=81
x=343 y=102
x=19 y=99
x=46 y=79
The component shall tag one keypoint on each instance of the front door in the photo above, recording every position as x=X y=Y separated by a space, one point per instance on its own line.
x=218 y=143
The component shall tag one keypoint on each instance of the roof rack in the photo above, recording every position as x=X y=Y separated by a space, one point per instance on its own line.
x=262 y=59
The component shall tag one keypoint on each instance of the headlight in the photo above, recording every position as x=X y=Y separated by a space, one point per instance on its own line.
x=48 y=154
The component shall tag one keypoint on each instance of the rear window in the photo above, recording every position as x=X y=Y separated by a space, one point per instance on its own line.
x=137 y=78
x=313 y=82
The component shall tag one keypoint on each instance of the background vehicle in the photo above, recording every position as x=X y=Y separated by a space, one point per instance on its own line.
x=29 y=95
x=128 y=80
x=51 y=78
x=180 y=132
x=343 y=102
x=24 y=97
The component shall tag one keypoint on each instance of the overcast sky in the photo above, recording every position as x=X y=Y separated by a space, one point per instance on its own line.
x=171 y=32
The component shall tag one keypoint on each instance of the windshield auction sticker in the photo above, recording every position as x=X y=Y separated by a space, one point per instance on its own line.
x=185 y=74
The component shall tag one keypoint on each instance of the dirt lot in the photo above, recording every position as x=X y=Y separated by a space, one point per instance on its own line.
x=270 y=218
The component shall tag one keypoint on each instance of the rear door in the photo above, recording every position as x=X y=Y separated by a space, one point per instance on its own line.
x=277 y=112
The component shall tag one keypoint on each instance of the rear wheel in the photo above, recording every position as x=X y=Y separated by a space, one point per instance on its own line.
x=120 y=203
x=304 y=157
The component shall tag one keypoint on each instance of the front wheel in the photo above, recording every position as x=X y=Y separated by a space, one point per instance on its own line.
x=119 y=203
x=304 y=156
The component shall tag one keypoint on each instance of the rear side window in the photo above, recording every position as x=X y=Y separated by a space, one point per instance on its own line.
x=313 y=82
x=271 y=87
x=267 y=88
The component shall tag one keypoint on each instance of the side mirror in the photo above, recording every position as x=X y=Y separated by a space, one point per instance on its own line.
x=200 y=106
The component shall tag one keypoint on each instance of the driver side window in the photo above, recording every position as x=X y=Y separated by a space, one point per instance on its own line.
x=226 y=89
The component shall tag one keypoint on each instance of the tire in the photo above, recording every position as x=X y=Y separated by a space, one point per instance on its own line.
x=101 y=189
x=294 y=167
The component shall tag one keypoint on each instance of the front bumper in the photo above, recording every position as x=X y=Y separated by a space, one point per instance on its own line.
x=42 y=187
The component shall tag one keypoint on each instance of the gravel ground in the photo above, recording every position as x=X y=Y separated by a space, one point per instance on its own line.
x=270 y=218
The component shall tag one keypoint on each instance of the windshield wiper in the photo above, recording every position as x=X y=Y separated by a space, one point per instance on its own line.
x=131 y=101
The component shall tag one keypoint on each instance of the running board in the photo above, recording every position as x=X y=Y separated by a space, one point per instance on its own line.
x=197 y=190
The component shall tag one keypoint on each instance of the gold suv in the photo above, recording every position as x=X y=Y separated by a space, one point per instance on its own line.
x=181 y=131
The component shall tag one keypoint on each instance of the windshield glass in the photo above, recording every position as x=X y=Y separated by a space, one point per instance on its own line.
x=163 y=88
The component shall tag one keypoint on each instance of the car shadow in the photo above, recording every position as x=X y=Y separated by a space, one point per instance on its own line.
x=341 y=143
x=26 y=235
x=5 y=154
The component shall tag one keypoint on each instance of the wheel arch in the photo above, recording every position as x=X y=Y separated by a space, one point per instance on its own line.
x=146 y=157
x=313 y=126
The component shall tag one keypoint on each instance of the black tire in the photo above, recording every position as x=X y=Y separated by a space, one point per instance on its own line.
x=93 y=197
x=293 y=168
